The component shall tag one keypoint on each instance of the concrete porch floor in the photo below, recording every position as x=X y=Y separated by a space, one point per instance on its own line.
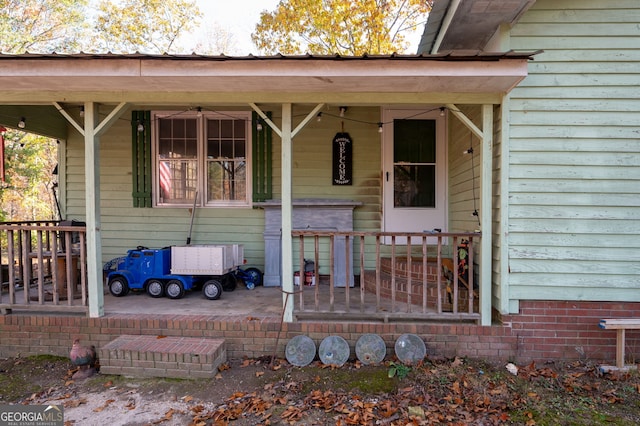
x=259 y=302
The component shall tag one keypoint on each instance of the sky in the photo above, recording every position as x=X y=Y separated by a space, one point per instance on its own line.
x=240 y=17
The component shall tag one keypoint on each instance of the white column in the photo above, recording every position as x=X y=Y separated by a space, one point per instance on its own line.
x=287 y=242
x=486 y=214
x=92 y=201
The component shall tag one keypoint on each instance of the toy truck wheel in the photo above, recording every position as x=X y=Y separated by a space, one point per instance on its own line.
x=229 y=282
x=175 y=289
x=155 y=288
x=118 y=286
x=254 y=275
x=212 y=289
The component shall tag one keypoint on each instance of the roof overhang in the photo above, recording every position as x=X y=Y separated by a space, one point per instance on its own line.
x=33 y=79
x=468 y=24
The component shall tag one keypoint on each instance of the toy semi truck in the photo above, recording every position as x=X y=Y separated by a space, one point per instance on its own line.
x=172 y=271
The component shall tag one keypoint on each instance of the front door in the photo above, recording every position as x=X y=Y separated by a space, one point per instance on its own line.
x=414 y=171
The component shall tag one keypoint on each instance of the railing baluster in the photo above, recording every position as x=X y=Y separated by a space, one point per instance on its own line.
x=393 y=273
x=470 y=274
x=455 y=275
x=83 y=270
x=362 y=289
x=40 y=262
x=409 y=273
x=11 y=244
x=68 y=262
x=26 y=265
x=439 y=272
x=316 y=267
x=55 y=275
x=301 y=273
x=424 y=274
x=331 y=275
x=347 y=283
x=378 y=268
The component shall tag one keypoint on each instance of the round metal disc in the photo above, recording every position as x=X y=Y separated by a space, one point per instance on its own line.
x=370 y=349
x=410 y=349
x=334 y=350
x=300 y=351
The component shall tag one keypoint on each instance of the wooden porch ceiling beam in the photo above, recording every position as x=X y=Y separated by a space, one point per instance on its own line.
x=262 y=115
x=114 y=115
x=69 y=118
x=103 y=126
x=466 y=121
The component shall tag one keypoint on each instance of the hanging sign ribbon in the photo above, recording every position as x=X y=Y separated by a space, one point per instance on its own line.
x=342 y=159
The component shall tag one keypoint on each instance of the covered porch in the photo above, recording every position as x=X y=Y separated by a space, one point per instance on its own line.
x=421 y=283
x=449 y=82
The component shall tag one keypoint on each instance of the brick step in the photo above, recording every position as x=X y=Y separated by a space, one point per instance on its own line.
x=155 y=356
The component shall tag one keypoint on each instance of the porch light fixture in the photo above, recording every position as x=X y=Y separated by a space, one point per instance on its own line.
x=22 y=123
x=442 y=111
x=199 y=109
x=319 y=117
x=380 y=127
x=81 y=111
x=468 y=151
x=343 y=110
x=259 y=126
x=140 y=127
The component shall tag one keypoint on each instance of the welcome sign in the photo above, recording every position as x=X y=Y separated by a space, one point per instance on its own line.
x=342 y=159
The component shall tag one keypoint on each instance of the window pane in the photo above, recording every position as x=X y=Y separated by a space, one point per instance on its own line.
x=226 y=128
x=178 y=179
x=213 y=148
x=414 y=186
x=227 y=181
x=239 y=148
x=239 y=127
x=178 y=138
x=213 y=129
x=415 y=141
x=226 y=149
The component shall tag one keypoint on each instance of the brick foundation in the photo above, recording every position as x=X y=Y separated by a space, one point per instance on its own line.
x=544 y=330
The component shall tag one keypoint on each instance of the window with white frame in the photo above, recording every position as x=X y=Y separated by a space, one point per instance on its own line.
x=203 y=153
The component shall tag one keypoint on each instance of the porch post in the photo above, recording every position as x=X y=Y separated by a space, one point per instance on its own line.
x=486 y=216
x=92 y=201
x=287 y=241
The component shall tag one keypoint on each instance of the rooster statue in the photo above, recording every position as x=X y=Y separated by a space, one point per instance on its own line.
x=83 y=357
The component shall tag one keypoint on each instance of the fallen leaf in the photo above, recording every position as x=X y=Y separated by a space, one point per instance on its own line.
x=105 y=405
x=457 y=362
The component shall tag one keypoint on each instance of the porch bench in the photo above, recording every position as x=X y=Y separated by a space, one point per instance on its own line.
x=621 y=325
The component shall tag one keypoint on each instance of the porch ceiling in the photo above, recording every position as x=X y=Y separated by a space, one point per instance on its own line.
x=32 y=79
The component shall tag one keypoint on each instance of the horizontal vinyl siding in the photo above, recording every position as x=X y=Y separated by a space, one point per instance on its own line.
x=574 y=166
x=124 y=227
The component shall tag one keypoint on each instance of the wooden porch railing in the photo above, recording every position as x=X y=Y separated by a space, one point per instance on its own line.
x=396 y=276
x=43 y=267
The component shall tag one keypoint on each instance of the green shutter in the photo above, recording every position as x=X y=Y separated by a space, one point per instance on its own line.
x=262 y=152
x=141 y=151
